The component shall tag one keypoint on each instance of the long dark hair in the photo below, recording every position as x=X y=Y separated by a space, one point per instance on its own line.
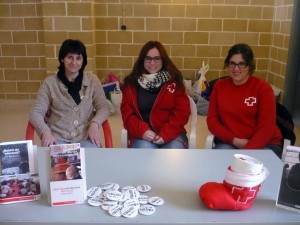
x=72 y=46
x=138 y=67
x=246 y=53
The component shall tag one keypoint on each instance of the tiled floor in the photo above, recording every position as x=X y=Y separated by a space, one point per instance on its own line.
x=14 y=118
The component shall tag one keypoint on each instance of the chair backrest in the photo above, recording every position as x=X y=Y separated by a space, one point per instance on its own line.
x=105 y=126
x=284 y=121
x=192 y=122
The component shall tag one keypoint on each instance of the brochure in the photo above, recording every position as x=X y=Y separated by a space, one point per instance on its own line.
x=16 y=157
x=19 y=180
x=19 y=188
x=67 y=178
x=289 y=190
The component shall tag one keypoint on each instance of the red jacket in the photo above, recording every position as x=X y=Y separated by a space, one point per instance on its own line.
x=169 y=115
x=244 y=111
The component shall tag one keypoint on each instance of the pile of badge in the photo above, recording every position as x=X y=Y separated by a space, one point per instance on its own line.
x=127 y=201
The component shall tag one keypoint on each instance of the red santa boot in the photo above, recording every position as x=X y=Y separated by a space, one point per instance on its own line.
x=238 y=191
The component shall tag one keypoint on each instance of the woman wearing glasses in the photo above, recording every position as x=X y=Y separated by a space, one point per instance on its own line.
x=242 y=108
x=155 y=106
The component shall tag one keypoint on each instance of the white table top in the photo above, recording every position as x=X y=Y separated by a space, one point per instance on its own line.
x=174 y=175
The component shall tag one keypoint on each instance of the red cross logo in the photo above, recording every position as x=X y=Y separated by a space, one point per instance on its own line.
x=171 y=87
x=250 y=101
x=243 y=195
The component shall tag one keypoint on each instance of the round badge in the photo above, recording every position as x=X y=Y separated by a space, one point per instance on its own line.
x=124 y=189
x=115 y=210
x=115 y=186
x=143 y=188
x=143 y=199
x=156 y=201
x=107 y=185
x=147 y=210
x=132 y=202
x=94 y=202
x=124 y=198
x=129 y=212
x=107 y=204
x=100 y=198
x=114 y=195
x=94 y=192
x=132 y=194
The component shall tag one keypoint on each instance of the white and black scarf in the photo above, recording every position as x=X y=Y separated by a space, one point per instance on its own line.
x=153 y=82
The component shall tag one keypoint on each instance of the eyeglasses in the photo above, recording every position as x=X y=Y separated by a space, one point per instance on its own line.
x=155 y=59
x=241 y=65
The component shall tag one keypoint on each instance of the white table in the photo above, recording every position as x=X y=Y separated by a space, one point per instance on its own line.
x=174 y=175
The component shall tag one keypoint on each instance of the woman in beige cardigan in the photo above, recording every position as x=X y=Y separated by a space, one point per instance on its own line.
x=74 y=101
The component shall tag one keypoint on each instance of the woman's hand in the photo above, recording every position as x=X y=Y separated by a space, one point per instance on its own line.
x=239 y=142
x=48 y=139
x=149 y=135
x=158 y=140
x=93 y=134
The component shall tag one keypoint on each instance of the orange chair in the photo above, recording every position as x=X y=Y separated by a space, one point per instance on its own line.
x=105 y=126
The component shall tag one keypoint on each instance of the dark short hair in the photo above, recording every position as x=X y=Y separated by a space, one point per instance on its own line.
x=246 y=53
x=72 y=46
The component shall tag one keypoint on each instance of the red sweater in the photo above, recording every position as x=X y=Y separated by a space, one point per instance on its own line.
x=244 y=111
x=169 y=114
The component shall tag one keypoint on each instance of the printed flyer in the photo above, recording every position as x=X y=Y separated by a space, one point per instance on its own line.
x=67 y=179
x=19 y=180
x=289 y=190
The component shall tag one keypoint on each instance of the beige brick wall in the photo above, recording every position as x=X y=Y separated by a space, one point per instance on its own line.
x=281 y=29
x=31 y=32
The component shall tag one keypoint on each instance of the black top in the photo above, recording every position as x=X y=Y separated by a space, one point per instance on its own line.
x=145 y=100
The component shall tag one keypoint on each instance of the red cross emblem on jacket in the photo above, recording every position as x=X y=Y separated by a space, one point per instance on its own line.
x=171 y=87
x=250 y=101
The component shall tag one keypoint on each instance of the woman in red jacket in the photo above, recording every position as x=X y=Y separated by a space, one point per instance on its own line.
x=155 y=106
x=242 y=109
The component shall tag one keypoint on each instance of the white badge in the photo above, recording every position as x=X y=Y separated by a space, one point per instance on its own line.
x=124 y=189
x=129 y=212
x=132 y=202
x=94 y=202
x=143 y=199
x=147 y=210
x=107 y=204
x=143 y=188
x=115 y=210
x=115 y=186
x=107 y=185
x=114 y=195
x=94 y=192
x=156 y=201
x=132 y=194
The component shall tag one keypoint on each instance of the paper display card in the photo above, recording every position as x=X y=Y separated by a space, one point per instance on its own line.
x=67 y=179
x=289 y=190
x=19 y=188
x=19 y=180
x=16 y=157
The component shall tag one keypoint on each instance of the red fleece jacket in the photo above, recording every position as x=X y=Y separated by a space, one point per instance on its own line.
x=169 y=115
